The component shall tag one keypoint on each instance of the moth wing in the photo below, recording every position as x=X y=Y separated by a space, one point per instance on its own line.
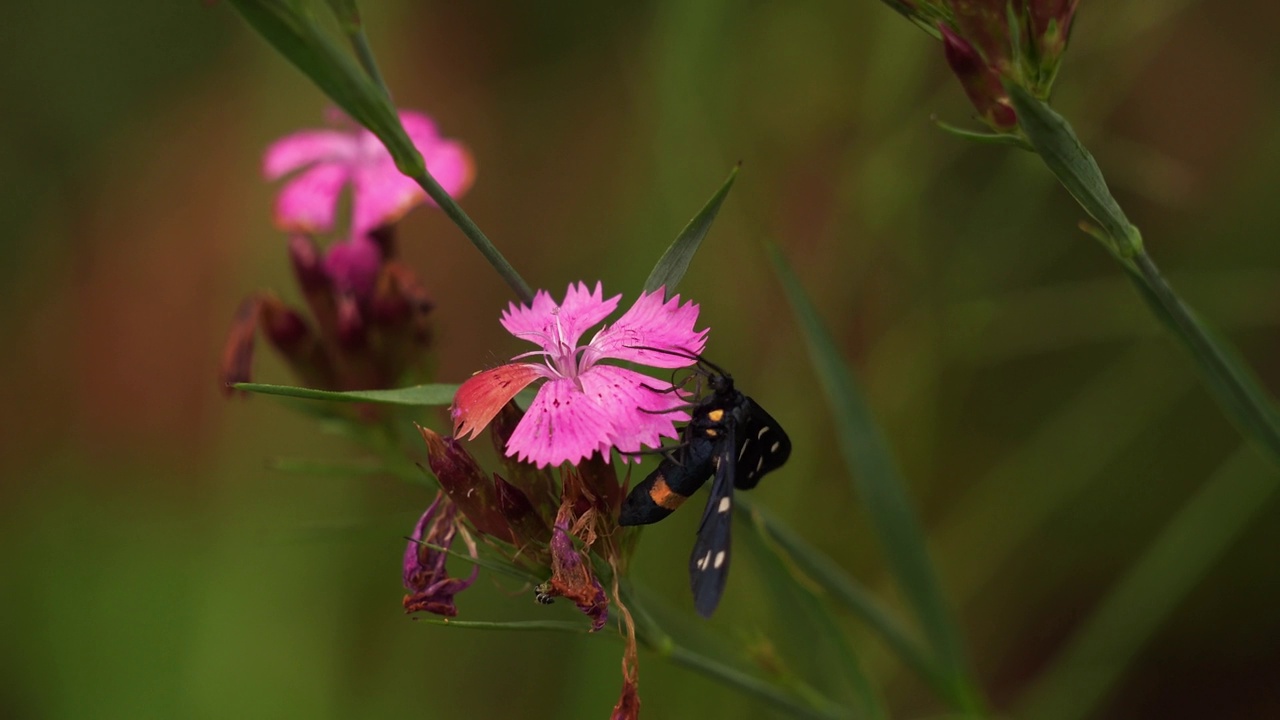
x=709 y=563
x=763 y=446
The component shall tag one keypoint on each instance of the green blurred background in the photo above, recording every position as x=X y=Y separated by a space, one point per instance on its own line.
x=154 y=566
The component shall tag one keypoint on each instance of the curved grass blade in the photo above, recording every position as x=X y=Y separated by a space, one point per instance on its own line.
x=843 y=589
x=1190 y=544
x=811 y=617
x=674 y=262
x=433 y=395
x=878 y=483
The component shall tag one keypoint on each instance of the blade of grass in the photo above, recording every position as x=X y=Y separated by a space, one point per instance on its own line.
x=1107 y=643
x=418 y=395
x=673 y=264
x=815 y=626
x=843 y=589
x=880 y=486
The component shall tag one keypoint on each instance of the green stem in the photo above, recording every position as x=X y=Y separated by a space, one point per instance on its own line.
x=477 y=238
x=364 y=55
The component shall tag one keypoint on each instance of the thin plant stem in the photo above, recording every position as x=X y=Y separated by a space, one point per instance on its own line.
x=364 y=55
x=473 y=233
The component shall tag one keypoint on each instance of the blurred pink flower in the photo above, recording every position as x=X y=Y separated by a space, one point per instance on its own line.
x=326 y=161
x=586 y=406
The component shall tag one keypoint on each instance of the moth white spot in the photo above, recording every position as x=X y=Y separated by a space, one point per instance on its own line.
x=705 y=562
x=724 y=505
x=743 y=451
x=759 y=464
x=775 y=447
x=719 y=559
x=763 y=430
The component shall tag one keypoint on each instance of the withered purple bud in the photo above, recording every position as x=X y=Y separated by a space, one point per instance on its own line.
x=296 y=342
x=308 y=267
x=351 y=329
x=425 y=574
x=466 y=484
x=237 y=353
x=571 y=575
x=981 y=83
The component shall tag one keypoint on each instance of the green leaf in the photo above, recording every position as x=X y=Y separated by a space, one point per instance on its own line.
x=1057 y=145
x=361 y=94
x=843 y=589
x=809 y=621
x=881 y=488
x=1227 y=378
x=1173 y=565
x=297 y=36
x=985 y=138
x=576 y=628
x=674 y=262
x=435 y=395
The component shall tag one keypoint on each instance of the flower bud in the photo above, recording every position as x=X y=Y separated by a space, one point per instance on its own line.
x=470 y=488
x=980 y=81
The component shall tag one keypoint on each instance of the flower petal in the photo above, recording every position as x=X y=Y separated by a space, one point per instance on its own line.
x=562 y=425
x=304 y=148
x=483 y=395
x=652 y=323
x=307 y=202
x=639 y=413
x=381 y=195
x=551 y=325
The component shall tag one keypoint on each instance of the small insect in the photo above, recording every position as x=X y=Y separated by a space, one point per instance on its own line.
x=731 y=435
x=542 y=593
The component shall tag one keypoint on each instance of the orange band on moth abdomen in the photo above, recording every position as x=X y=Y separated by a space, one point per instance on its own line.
x=664 y=497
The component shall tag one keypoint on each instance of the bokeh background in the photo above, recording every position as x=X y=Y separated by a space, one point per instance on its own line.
x=154 y=565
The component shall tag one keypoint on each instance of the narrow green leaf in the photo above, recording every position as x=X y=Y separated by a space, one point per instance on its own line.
x=843 y=589
x=985 y=138
x=877 y=481
x=1227 y=378
x=1192 y=542
x=1057 y=145
x=303 y=43
x=674 y=262
x=577 y=628
x=810 y=620
x=434 y=395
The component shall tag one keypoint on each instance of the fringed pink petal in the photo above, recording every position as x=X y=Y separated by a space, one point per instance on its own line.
x=482 y=396
x=532 y=322
x=562 y=425
x=584 y=308
x=640 y=414
x=305 y=148
x=652 y=323
x=307 y=202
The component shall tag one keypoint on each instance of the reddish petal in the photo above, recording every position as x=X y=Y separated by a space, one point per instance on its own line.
x=304 y=148
x=652 y=323
x=482 y=396
x=307 y=202
x=562 y=425
x=639 y=414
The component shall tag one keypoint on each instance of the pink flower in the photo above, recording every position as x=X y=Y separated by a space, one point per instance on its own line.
x=586 y=406
x=327 y=160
